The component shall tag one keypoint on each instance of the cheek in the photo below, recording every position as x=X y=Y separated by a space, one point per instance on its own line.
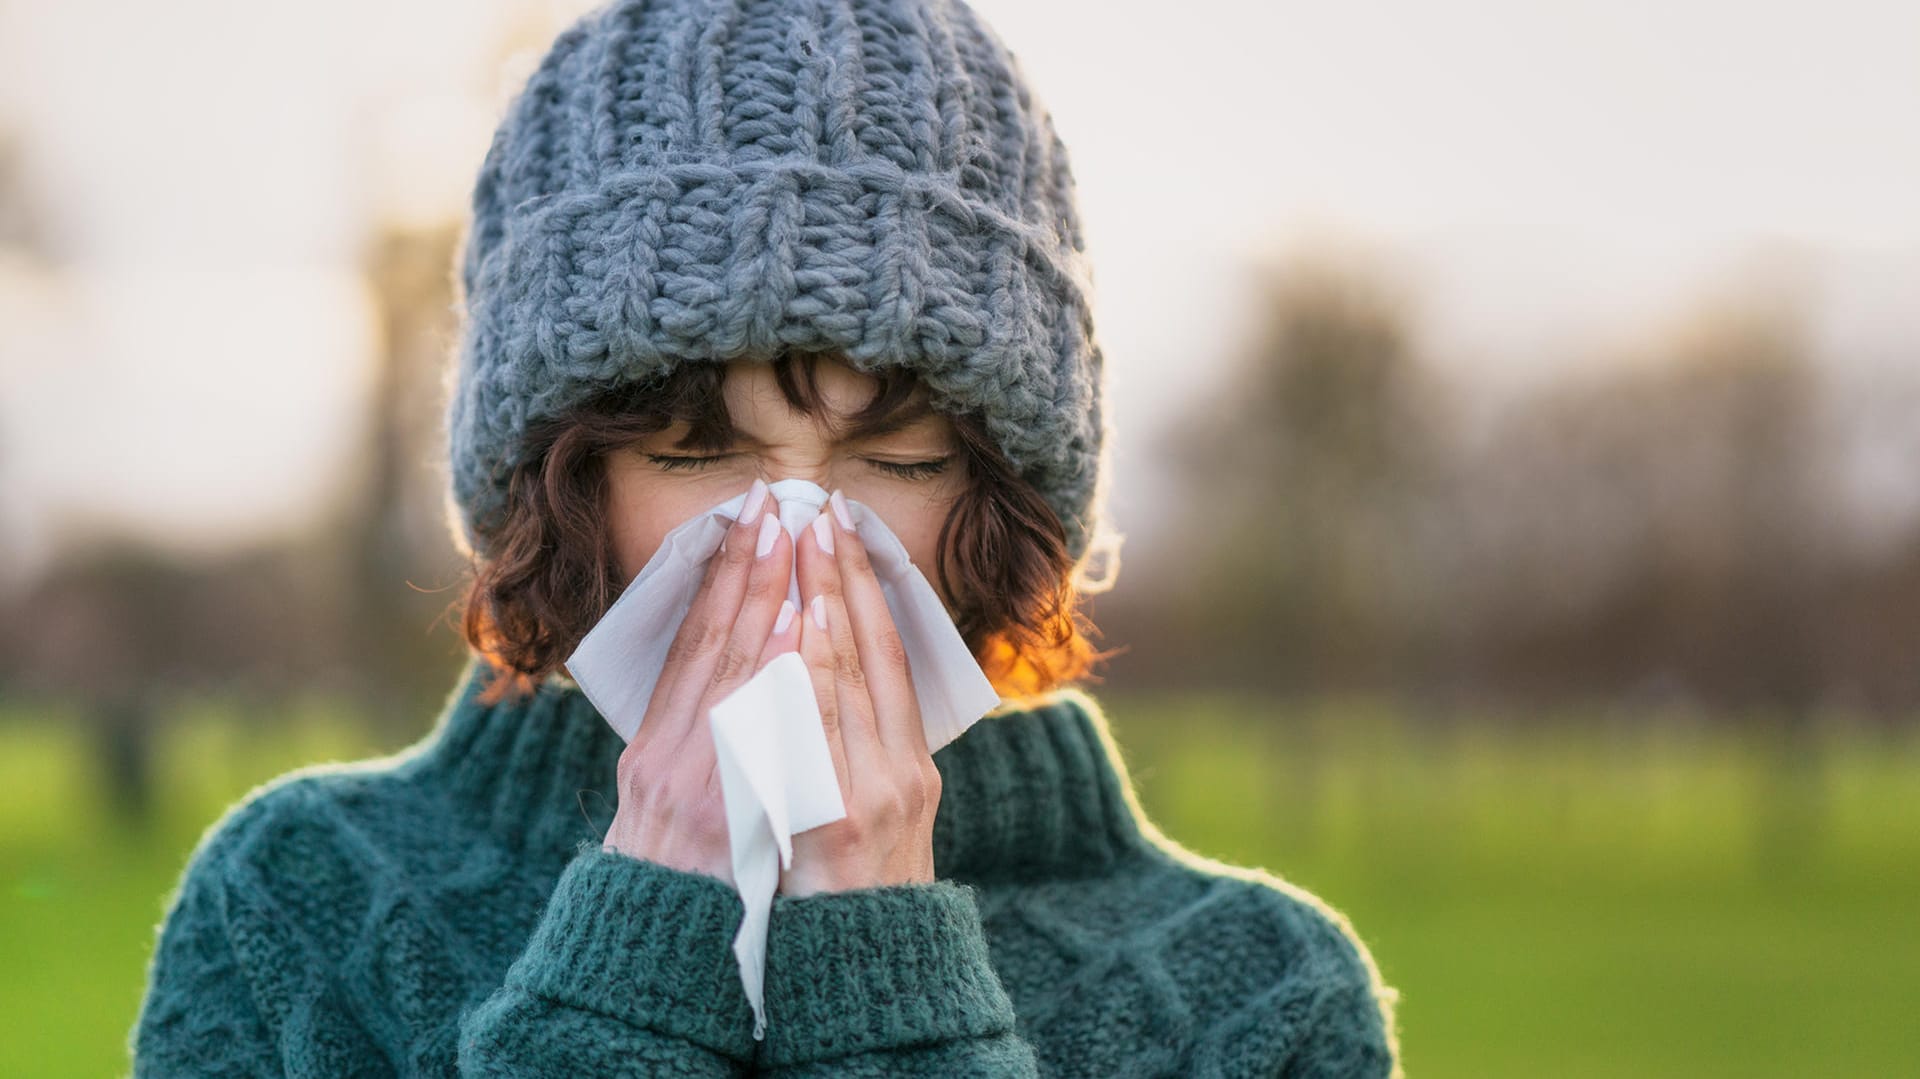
x=634 y=544
x=639 y=516
x=916 y=520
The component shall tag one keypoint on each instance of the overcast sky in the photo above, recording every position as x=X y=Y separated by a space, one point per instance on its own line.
x=1542 y=172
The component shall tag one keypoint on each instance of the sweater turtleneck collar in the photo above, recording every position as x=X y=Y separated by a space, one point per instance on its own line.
x=1035 y=790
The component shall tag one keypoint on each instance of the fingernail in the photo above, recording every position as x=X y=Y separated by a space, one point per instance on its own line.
x=820 y=610
x=823 y=533
x=756 y=498
x=785 y=619
x=840 y=510
x=769 y=528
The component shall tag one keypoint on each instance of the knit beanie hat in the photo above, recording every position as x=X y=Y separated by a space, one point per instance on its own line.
x=703 y=180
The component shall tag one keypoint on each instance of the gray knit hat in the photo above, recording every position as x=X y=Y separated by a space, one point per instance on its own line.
x=709 y=180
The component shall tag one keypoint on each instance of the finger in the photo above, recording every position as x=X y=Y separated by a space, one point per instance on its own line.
x=708 y=625
x=865 y=755
x=785 y=636
x=816 y=647
x=822 y=571
x=766 y=591
x=817 y=570
x=674 y=772
x=695 y=761
x=883 y=657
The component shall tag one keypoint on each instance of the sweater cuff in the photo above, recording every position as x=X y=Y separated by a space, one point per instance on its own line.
x=646 y=944
x=878 y=969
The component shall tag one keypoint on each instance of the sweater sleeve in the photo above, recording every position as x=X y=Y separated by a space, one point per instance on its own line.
x=1339 y=1012
x=1325 y=1015
x=890 y=981
x=198 y=1016
x=1346 y=1032
x=629 y=973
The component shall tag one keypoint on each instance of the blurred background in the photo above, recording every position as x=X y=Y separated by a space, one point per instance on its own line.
x=1517 y=439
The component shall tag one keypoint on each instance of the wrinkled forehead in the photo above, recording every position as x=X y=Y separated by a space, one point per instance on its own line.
x=839 y=403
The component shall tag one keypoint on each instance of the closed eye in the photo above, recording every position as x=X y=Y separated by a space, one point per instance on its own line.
x=688 y=464
x=911 y=470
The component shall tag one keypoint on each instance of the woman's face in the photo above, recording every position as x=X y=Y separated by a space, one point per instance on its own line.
x=910 y=477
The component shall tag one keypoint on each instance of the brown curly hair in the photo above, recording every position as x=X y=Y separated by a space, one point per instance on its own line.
x=550 y=571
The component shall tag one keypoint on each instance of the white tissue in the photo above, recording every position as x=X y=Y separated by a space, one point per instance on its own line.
x=776 y=770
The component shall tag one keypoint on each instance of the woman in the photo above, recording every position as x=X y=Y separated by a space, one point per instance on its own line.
x=714 y=247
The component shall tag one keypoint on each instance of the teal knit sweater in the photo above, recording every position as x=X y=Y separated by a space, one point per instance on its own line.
x=450 y=911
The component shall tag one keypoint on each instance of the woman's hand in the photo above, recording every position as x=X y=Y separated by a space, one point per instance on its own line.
x=860 y=679
x=670 y=810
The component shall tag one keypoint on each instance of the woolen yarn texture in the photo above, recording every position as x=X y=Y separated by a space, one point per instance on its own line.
x=703 y=180
x=450 y=911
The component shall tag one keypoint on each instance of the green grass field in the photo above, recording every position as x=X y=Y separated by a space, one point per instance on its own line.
x=1647 y=902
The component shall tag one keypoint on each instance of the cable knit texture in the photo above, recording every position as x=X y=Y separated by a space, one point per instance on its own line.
x=450 y=911
x=704 y=180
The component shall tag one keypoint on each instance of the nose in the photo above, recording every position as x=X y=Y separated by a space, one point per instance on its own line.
x=816 y=476
x=801 y=500
x=794 y=461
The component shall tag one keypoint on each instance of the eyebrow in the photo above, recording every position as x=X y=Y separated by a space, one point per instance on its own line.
x=899 y=419
x=907 y=415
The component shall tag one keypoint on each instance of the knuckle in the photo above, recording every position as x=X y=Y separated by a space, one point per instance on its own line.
x=735 y=665
x=680 y=650
x=761 y=584
x=698 y=637
x=886 y=806
x=739 y=546
x=893 y=651
x=854 y=833
x=829 y=709
x=847 y=660
x=857 y=557
x=630 y=773
x=923 y=791
x=897 y=809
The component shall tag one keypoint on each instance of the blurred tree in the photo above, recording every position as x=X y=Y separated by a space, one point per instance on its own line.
x=1673 y=521
x=1312 y=464
x=1676 y=525
x=127 y=630
x=392 y=526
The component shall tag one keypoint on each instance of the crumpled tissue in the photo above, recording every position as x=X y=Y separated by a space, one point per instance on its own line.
x=776 y=770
